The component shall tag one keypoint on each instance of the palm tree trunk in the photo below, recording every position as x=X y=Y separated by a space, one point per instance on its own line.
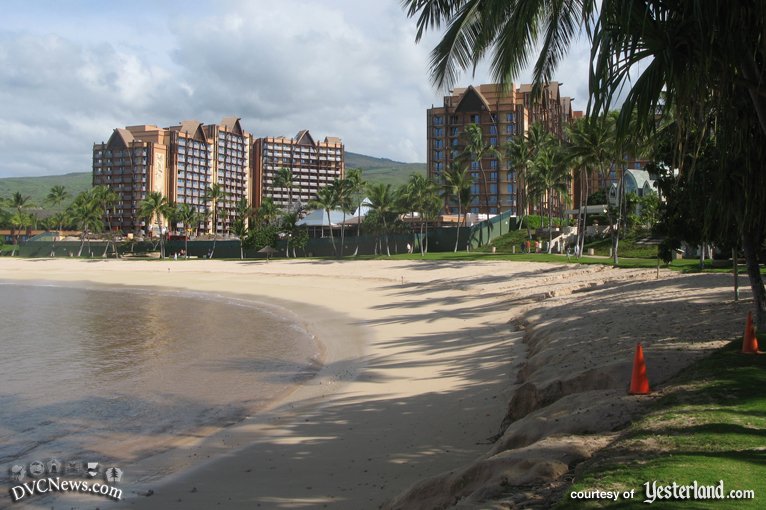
x=550 y=220
x=750 y=246
x=82 y=244
x=422 y=252
x=343 y=232
x=332 y=238
x=385 y=234
x=459 y=212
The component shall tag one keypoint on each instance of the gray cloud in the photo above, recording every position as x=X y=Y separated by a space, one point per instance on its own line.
x=337 y=68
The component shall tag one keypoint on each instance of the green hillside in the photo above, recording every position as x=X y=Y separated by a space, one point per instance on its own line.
x=37 y=188
x=374 y=170
x=383 y=170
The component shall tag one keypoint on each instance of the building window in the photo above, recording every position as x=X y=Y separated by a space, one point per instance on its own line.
x=438 y=144
x=493 y=141
x=439 y=166
x=509 y=129
x=493 y=165
x=455 y=142
x=475 y=188
x=454 y=132
x=509 y=117
x=475 y=118
x=438 y=154
x=493 y=188
x=438 y=120
x=492 y=129
x=454 y=119
x=438 y=131
x=493 y=176
x=474 y=176
x=511 y=188
x=474 y=165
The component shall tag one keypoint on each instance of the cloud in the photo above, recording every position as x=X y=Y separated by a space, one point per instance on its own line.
x=338 y=68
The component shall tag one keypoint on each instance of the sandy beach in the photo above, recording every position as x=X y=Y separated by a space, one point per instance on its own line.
x=424 y=362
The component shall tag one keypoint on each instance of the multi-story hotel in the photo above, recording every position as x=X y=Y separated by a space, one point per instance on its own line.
x=501 y=114
x=313 y=164
x=132 y=162
x=183 y=161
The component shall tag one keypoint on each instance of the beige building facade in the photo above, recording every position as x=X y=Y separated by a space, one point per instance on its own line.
x=314 y=165
x=184 y=160
x=502 y=114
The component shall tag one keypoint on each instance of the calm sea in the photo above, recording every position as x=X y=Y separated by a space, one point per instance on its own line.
x=120 y=374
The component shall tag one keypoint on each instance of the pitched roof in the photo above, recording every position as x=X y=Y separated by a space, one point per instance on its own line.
x=121 y=139
x=191 y=127
x=472 y=101
x=304 y=138
x=232 y=125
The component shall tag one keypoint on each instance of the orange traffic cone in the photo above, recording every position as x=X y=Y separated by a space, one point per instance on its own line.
x=639 y=384
x=749 y=341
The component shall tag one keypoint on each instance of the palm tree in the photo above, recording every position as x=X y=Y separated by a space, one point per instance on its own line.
x=520 y=152
x=457 y=184
x=266 y=212
x=87 y=214
x=343 y=189
x=592 y=143
x=509 y=31
x=419 y=194
x=383 y=201
x=241 y=224
x=190 y=217
x=474 y=152
x=549 y=176
x=56 y=196
x=22 y=220
x=284 y=180
x=155 y=205
x=214 y=194
x=106 y=197
x=327 y=199
x=356 y=188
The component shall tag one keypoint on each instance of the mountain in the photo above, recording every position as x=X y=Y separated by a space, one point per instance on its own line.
x=383 y=170
x=373 y=170
x=37 y=188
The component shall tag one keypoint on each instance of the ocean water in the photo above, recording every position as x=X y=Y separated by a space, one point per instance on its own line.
x=120 y=374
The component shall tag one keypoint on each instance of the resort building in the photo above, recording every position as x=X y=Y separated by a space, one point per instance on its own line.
x=314 y=165
x=132 y=162
x=502 y=114
x=181 y=162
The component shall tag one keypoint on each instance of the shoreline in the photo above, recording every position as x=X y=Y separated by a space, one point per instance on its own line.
x=348 y=390
x=452 y=350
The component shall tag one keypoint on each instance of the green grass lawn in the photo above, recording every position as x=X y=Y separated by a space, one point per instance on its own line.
x=709 y=426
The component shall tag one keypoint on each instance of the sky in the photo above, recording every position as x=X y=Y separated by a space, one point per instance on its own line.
x=73 y=70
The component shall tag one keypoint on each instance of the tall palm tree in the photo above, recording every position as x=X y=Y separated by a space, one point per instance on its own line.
x=457 y=184
x=549 y=178
x=357 y=187
x=190 y=217
x=476 y=151
x=284 y=180
x=155 y=205
x=242 y=214
x=327 y=199
x=87 y=214
x=343 y=189
x=214 y=194
x=592 y=143
x=419 y=194
x=383 y=201
x=20 y=203
x=56 y=196
x=106 y=197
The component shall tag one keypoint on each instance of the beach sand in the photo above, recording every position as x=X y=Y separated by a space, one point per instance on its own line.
x=423 y=362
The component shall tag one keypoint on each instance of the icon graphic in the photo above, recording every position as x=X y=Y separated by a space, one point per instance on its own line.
x=18 y=473
x=54 y=467
x=36 y=468
x=113 y=474
x=92 y=469
x=74 y=467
